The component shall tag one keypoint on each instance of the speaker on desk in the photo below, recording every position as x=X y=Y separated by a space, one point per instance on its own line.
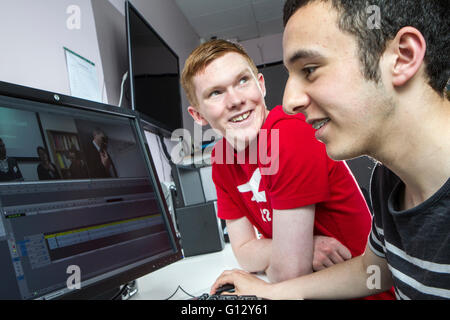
x=189 y=188
x=200 y=229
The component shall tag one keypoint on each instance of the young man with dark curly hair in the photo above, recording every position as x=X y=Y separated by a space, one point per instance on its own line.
x=376 y=88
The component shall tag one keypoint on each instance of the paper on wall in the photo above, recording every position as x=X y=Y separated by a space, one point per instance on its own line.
x=82 y=77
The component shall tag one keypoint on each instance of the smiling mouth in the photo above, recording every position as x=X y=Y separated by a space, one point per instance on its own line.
x=240 y=117
x=320 y=123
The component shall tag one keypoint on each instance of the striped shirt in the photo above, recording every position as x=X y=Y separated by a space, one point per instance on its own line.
x=415 y=242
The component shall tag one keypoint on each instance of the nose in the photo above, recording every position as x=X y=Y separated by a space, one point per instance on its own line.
x=234 y=98
x=295 y=99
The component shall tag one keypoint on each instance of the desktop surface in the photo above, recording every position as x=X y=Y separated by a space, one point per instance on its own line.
x=195 y=275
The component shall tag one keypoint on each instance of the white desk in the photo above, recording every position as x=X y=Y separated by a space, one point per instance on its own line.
x=194 y=274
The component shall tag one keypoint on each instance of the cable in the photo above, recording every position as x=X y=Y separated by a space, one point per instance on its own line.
x=161 y=155
x=179 y=287
x=164 y=147
x=124 y=77
x=121 y=291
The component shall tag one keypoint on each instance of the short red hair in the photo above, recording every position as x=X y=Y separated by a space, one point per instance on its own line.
x=202 y=56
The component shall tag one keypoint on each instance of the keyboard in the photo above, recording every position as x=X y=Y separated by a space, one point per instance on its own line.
x=207 y=296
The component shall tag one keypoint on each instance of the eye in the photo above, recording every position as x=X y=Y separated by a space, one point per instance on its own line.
x=214 y=93
x=308 y=71
x=243 y=80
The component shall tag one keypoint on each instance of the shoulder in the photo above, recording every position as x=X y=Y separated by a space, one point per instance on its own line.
x=221 y=152
x=90 y=147
x=222 y=159
x=382 y=183
x=291 y=129
x=382 y=180
x=12 y=163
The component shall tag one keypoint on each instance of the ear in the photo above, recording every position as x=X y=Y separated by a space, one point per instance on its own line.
x=198 y=118
x=261 y=83
x=409 y=47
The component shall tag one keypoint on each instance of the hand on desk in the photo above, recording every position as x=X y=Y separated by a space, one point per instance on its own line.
x=327 y=252
x=244 y=283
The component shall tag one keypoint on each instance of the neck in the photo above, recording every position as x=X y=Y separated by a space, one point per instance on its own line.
x=414 y=145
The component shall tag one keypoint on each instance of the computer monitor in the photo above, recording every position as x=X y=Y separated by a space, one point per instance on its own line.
x=81 y=208
x=154 y=74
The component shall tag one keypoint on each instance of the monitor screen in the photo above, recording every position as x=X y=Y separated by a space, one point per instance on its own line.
x=81 y=210
x=154 y=75
x=17 y=128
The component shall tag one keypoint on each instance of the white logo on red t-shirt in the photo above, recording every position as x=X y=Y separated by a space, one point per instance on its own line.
x=258 y=196
x=253 y=186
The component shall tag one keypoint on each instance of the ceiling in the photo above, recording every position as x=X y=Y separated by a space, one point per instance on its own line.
x=238 y=20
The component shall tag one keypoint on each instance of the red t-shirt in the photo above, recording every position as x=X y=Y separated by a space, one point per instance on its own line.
x=287 y=169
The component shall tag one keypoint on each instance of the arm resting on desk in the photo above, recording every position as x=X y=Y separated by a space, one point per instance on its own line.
x=289 y=254
x=292 y=243
x=347 y=280
x=292 y=252
x=252 y=254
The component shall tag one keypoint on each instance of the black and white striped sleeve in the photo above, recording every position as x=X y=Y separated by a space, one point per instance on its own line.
x=376 y=240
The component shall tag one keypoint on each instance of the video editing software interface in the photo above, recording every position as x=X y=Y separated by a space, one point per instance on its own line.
x=76 y=199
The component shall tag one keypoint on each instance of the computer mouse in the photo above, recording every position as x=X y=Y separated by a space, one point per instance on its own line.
x=226 y=287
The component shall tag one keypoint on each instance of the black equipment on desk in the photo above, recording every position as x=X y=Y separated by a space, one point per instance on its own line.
x=189 y=186
x=199 y=229
x=226 y=292
x=102 y=223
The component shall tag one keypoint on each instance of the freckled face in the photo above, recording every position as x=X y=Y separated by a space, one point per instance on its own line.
x=231 y=99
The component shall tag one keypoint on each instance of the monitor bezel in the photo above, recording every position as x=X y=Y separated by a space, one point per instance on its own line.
x=94 y=290
x=151 y=124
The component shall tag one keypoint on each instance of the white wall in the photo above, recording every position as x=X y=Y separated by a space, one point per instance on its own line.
x=33 y=34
